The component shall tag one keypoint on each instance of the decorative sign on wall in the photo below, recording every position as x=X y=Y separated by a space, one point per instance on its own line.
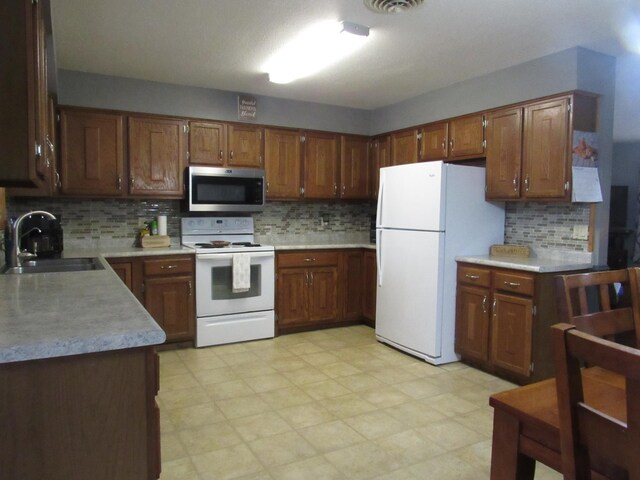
x=586 y=183
x=247 y=108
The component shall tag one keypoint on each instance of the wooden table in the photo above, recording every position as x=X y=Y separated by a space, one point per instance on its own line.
x=526 y=423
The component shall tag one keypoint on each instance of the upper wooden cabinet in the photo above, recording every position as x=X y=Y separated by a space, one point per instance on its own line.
x=92 y=152
x=157 y=156
x=23 y=94
x=222 y=144
x=434 y=142
x=354 y=167
x=529 y=147
x=380 y=157
x=466 y=137
x=404 y=147
x=320 y=169
x=282 y=163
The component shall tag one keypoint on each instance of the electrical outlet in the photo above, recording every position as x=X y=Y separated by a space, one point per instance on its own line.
x=580 y=232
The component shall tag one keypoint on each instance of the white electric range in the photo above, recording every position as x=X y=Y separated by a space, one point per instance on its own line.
x=225 y=316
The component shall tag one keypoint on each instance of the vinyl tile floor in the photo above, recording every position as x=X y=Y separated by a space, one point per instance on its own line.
x=329 y=404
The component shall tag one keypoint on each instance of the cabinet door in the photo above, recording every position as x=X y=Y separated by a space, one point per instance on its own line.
x=169 y=300
x=472 y=322
x=157 y=156
x=352 y=285
x=124 y=271
x=434 y=142
x=291 y=301
x=466 y=136
x=91 y=160
x=354 y=168
x=323 y=294
x=282 y=163
x=22 y=83
x=207 y=143
x=404 y=147
x=546 y=151
x=321 y=165
x=380 y=158
x=245 y=146
x=504 y=153
x=369 y=293
x=511 y=333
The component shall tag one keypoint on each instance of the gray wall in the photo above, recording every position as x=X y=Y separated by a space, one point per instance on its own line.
x=626 y=171
x=101 y=91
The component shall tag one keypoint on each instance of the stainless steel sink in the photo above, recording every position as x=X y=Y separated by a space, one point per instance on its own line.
x=56 y=265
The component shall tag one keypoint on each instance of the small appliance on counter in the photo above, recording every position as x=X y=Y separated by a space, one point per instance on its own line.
x=42 y=236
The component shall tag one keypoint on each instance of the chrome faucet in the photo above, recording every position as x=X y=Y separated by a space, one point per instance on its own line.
x=16 y=256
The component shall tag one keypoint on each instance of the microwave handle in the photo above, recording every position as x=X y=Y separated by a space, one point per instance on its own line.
x=229 y=256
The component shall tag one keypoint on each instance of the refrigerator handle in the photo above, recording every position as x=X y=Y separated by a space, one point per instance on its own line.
x=380 y=200
x=379 y=255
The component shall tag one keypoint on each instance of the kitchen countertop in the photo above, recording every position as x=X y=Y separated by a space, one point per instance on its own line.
x=321 y=246
x=530 y=264
x=48 y=315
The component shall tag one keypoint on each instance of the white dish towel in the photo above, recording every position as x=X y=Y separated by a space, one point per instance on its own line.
x=241 y=272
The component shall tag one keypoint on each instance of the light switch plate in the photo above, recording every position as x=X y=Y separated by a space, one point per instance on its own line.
x=580 y=232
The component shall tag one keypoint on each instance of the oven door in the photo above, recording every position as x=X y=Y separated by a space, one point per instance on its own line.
x=214 y=282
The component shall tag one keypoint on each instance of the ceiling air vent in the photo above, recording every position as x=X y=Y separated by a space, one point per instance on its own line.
x=392 y=6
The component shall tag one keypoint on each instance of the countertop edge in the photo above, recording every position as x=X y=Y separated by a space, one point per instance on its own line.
x=530 y=264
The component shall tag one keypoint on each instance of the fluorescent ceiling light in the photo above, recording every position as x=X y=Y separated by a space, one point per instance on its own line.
x=317 y=47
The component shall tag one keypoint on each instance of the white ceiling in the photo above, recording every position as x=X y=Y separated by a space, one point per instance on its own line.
x=223 y=43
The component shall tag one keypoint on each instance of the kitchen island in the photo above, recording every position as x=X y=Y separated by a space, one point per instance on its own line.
x=79 y=376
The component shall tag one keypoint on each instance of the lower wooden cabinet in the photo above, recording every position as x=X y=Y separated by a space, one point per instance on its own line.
x=81 y=416
x=323 y=288
x=370 y=277
x=165 y=285
x=503 y=318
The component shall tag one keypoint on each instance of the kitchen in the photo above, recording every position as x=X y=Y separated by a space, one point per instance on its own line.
x=113 y=221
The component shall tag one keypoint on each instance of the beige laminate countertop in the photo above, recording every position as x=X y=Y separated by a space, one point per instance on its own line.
x=530 y=264
x=323 y=246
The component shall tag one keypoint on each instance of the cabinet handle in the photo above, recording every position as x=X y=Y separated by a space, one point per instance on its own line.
x=515 y=183
x=49 y=144
x=132 y=182
x=472 y=277
x=335 y=189
x=444 y=144
x=484 y=304
x=526 y=183
x=190 y=288
x=309 y=259
x=451 y=145
x=306 y=276
x=267 y=187
x=168 y=267
x=230 y=154
x=512 y=284
x=344 y=187
x=119 y=183
x=221 y=154
x=58 y=181
x=494 y=308
x=311 y=283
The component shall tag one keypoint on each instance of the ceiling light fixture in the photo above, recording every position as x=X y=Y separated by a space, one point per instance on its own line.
x=315 y=48
x=392 y=6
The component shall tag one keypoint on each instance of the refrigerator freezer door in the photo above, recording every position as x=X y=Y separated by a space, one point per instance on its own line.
x=410 y=197
x=409 y=293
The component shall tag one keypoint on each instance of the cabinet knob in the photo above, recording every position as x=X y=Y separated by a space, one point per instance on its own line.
x=119 y=183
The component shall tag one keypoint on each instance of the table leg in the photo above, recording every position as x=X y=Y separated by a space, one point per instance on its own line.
x=507 y=463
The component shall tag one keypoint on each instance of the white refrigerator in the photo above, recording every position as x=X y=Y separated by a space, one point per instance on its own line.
x=428 y=213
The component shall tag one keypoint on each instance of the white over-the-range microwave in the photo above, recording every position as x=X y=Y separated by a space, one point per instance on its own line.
x=221 y=189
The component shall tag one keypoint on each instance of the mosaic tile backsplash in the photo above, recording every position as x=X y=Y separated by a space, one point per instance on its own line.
x=110 y=222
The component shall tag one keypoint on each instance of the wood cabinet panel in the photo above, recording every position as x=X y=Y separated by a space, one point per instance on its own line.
x=352 y=284
x=320 y=166
x=434 y=142
x=124 y=271
x=157 y=156
x=291 y=297
x=245 y=146
x=404 y=147
x=323 y=294
x=354 y=167
x=92 y=153
x=511 y=333
x=380 y=154
x=466 y=135
x=504 y=153
x=308 y=258
x=168 y=266
x=207 y=143
x=282 y=163
x=546 y=149
x=472 y=322
x=169 y=300
x=370 y=287
x=80 y=416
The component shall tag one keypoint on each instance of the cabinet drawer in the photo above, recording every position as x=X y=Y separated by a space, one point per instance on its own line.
x=514 y=282
x=308 y=258
x=474 y=275
x=167 y=266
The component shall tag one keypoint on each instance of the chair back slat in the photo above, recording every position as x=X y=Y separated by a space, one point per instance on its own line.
x=606 y=324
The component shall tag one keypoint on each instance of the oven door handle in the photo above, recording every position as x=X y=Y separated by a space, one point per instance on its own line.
x=228 y=256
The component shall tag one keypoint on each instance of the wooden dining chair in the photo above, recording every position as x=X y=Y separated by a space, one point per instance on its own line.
x=605 y=304
x=593 y=439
